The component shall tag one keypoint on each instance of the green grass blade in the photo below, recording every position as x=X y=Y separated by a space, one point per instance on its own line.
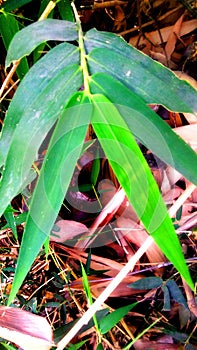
x=135 y=177
x=63 y=152
x=147 y=126
x=25 y=41
x=149 y=79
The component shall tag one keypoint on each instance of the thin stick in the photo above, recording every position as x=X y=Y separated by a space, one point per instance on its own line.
x=105 y=294
x=9 y=77
x=172 y=211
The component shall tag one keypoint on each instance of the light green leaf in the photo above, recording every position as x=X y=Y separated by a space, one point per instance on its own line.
x=147 y=126
x=110 y=320
x=63 y=152
x=149 y=79
x=33 y=123
x=136 y=179
x=25 y=41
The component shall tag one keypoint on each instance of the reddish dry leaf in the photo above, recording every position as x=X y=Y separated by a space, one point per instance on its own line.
x=174 y=35
x=98 y=263
x=155 y=345
x=68 y=230
x=97 y=286
x=25 y=329
x=155 y=37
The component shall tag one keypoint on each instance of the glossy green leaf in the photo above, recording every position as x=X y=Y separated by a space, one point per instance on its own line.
x=25 y=41
x=149 y=79
x=27 y=123
x=147 y=126
x=135 y=177
x=63 y=152
x=8 y=28
x=147 y=283
x=109 y=321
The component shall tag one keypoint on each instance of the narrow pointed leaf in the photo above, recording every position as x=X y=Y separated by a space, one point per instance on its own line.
x=25 y=41
x=109 y=321
x=147 y=126
x=135 y=177
x=149 y=79
x=63 y=152
x=32 y=124
x=37 y=81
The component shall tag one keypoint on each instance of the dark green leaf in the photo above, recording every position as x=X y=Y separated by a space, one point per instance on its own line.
x=176 y=293
x=110 y=54
x=14 y=4
x=109 y=321
x=166 y=294
x=36 y=82
x=60 y=160
x=25 y=41
x=8 y=28
x=65 y=10
x=147 y=283
x=147 y=126
x=27 y=124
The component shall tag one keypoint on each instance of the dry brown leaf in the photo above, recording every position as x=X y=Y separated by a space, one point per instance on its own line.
x=155 y=38
x=188 y=134
x=174 y=35
x=25 y=329
x=97 y=262
x=97 y=286
x=67 y=230
x=134 y=233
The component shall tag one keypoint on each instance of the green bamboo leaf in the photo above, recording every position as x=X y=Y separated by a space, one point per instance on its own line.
x=65 y=10
x=13 y=4
x=32 y=124
x=8 y=28
x=135 y=177
x=109 y=321
x=25 y=41
x=149 y=79
x=63 y=152
x=37 y=82
x=147 y=126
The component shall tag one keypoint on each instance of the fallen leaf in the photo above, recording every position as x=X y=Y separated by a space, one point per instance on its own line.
x=67 y=230
x=25 y=329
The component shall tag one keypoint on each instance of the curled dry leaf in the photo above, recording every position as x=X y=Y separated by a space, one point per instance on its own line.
x=67 y=230
x=25 y=329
